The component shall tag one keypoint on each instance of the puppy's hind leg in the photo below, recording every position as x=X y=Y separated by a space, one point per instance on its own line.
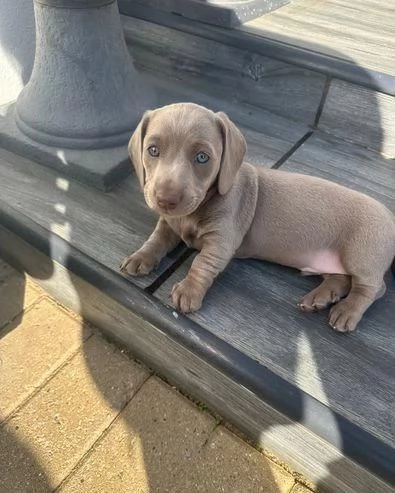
x=366 y=258
x=333 y=288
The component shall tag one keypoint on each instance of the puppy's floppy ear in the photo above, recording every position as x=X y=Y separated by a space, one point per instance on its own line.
x=233 y=150
x=135 y=147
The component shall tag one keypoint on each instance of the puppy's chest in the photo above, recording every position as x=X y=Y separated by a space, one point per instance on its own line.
x=187 y=230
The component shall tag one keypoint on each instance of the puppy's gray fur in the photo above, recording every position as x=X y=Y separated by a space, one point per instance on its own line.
x=228 y=208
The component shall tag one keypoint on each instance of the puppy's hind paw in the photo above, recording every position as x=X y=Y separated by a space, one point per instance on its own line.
x=318 y=299
x=344 y=317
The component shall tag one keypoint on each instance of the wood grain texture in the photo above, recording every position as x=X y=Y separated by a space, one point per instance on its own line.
x=105 y=226
x=360 y=115
x=361 y=32
x=347 y=164
x=243 y=76
x=290 y=441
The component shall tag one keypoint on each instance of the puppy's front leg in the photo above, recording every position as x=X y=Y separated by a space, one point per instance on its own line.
x=162 y=240
x=214 y=256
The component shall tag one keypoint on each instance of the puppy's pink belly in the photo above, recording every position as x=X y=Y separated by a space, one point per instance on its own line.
x=321 y=262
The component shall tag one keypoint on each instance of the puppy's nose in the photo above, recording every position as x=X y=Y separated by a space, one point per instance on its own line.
x=168 y=200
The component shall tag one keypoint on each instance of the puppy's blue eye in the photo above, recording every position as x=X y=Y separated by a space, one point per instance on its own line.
x=154 y=151
x=202 y=158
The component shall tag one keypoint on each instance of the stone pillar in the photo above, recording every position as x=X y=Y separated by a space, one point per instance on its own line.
x=84 y=97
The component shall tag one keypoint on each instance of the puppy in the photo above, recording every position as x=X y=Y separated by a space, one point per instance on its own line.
x=189 y=161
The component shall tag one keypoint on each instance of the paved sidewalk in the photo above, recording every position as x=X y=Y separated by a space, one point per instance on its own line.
x=77 y=414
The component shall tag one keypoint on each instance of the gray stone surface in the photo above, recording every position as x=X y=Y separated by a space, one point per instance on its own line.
x=17 y=42
x=100 y=168
x=84 y=92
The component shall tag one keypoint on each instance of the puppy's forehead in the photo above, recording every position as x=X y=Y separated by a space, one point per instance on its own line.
x=184 y=121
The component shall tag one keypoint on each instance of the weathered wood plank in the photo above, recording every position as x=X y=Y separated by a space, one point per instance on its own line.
x=361 y=32
x=323 y=463
x=348 y=164
x=104 y=226
x=219 y=69
x=268 y=136
x=360 y=115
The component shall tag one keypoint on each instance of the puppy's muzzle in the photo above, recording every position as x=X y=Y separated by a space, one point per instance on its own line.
x=168 y=201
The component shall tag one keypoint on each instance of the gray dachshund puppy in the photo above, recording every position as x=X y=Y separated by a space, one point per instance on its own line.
x=189 y=161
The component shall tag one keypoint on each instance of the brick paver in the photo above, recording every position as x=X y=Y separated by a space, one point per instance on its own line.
x=30 y=353
x=228 y=464
x=155 y=440
x=63 y=420
x=80 y=416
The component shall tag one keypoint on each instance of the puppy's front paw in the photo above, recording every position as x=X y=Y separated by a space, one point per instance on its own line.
x=187 y=296
x=138 y=264
x=344 y=316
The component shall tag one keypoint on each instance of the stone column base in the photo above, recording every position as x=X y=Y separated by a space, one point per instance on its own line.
x=100 y=168
x=84 y=97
